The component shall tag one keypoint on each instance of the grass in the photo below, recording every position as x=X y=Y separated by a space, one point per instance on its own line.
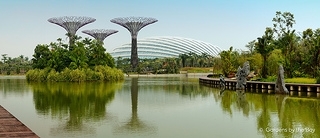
x=301 y=80
x=195 y=70
x=291 y=80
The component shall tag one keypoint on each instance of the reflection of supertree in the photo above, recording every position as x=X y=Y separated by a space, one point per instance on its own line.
x=71 y=24
x=99 y=34
x=135 y=124
x=134 y=25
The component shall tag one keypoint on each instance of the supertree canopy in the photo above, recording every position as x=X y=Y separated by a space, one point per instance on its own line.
x=99 y=34
x=71 y=24
x=134 y=25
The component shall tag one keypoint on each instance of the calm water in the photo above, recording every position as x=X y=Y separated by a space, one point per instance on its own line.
x=157 y=108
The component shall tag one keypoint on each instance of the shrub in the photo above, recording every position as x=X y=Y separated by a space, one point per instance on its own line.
x=99 y=73
x=77 y=75
x=269 y=79
x=53 y=76
x=318 y=80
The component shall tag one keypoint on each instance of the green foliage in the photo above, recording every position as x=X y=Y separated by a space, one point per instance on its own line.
x=269 y=79
x=287 y=40
x=41 y=57
x=100 y=73
x=195 y=70
x=318 y=80
x=97 y=55
x=264 y=46
x=227 y=66
x=273 y=62
x=82 y=54
x=301 y=80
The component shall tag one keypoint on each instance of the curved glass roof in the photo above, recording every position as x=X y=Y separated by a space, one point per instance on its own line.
x=165 y=46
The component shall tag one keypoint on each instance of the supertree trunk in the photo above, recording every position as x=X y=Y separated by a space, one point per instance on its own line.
x=134 y=53
x=134 y=25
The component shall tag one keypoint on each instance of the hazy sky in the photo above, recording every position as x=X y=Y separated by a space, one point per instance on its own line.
x=23 y=23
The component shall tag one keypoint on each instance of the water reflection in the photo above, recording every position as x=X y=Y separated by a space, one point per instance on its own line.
x=134 y=124
x=13 y=86
x=73 y=103
x=276 y=115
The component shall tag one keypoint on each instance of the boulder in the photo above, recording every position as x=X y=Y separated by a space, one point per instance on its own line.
x=280 y=85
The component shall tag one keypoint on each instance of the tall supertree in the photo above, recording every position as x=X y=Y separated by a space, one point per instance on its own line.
x=71 y=24
x=134 y=25
x=99 y=34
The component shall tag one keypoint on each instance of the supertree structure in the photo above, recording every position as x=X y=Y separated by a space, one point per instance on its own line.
x=71 y=24
x=134 y=25
x=100 y=34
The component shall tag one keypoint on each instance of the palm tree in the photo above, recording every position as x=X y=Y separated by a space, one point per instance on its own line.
x=264 y=47
x=183 y=58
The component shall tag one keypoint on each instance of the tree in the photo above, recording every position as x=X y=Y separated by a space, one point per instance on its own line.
x=264 y=47
x=311 y=43
x=250 y=46
x=78 y=57
x=283 y=23
x=41 y=56
x=227 y=66
x=183 y=58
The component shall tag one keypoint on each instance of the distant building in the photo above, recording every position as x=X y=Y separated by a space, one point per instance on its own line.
x=164 y=46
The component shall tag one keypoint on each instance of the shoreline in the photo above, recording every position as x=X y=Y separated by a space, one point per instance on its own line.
x=12 y=76
x=192 y=75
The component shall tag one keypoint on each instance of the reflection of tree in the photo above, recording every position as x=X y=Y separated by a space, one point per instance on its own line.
x=135 y=124
x=301 y=113
x=263 y=120
x=13 y=86
x=76 y=101
x=274 y=112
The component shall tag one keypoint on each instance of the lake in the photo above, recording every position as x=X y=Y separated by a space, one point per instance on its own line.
x=157 y=107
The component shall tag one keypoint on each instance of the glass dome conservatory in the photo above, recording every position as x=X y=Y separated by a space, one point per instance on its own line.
x=160 y=47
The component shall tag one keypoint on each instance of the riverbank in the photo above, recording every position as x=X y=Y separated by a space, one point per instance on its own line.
x=12 y=76
x=192 y=75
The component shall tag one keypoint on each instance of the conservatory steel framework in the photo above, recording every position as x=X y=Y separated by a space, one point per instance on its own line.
x=165 y=46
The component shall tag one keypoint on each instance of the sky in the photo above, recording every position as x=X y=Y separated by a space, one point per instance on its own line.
x=224 y=23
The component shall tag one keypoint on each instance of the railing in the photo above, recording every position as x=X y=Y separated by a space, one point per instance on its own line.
x=257 y=85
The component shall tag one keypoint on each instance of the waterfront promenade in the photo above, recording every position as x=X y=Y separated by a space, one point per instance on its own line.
x=12 y=127
x=263 y=86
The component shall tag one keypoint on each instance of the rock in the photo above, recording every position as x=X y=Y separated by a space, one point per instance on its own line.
x=241 y=75
x=280 y=85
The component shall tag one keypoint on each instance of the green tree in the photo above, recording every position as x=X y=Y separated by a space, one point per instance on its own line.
x=311 y=44
x=250 y=46
x=97 y=55
x=227 y=66
x=282 y=25
x=183 y=58
x=41 y=56
x=274 y=60
x=78 y=57
x=264 y=47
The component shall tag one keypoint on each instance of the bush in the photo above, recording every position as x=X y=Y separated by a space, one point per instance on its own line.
x=77 y=75
x=318 y=80
x=269 y=79
x=100 y=73
x=53 y=76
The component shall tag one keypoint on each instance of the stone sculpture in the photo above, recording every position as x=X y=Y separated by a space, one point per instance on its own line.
x=280 y=85
x=222 y=83
x=241 y=75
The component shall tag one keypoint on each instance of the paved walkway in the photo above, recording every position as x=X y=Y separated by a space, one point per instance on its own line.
x=12 y=127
